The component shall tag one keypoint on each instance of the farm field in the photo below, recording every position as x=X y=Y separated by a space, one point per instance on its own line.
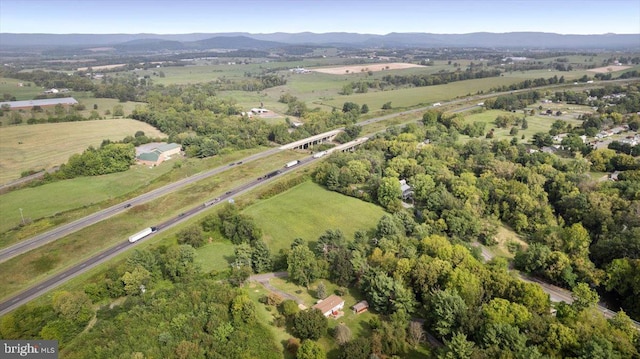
x=374 y=67
x=43 y=146
x=307 y=211
x=416 y=96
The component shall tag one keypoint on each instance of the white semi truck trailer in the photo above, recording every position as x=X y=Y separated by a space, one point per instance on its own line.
x=143 y=233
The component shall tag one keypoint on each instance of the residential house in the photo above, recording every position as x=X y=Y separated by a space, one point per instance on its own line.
x=330 y=306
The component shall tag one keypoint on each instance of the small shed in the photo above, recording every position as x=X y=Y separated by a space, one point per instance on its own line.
x=360 y=307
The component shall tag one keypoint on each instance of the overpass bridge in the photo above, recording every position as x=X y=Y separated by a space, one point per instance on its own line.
x=350 y=146
x=311 y=141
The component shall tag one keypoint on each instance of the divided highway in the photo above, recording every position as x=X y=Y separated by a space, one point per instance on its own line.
x=66 y=229
x=56 y=280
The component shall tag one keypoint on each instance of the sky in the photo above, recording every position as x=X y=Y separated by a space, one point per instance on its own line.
x=359 y=16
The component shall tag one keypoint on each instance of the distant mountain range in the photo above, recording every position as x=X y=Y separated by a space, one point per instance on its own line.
x=237 y=40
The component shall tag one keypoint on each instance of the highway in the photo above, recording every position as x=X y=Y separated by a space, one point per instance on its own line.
x=57 y=279
x=66 y=229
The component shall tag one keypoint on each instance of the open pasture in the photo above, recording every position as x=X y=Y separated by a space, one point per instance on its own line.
x=34 y=147
x=12 y=87
x=307 y=211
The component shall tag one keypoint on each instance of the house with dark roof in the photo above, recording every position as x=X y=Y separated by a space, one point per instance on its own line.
x=360 y=307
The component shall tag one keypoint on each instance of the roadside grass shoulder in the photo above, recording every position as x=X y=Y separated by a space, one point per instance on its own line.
x=307 y=211
x=52 y=199
x=61 y=202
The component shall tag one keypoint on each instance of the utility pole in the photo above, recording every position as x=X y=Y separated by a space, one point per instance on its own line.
x=21 y=216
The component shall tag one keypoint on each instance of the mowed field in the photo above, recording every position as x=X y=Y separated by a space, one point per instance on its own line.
x=351 y=69
x=307 y=211
x=34 y=147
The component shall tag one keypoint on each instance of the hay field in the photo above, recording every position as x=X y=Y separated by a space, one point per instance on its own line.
x=612 y=68
x=34 y=147
x=356 y=69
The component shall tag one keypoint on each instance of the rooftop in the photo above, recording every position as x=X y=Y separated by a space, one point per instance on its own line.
x=44 y=102
x=329 y=303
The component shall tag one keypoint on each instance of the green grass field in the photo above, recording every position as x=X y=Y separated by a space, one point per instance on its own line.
x=57 y=197
x=27 y=91
x=307 y=211
x=36 y=147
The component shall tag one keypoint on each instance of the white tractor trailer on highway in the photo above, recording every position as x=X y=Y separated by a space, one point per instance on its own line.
x=291 y=164
x=143 y=233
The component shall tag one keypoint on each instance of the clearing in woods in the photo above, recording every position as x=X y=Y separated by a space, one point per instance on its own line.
x=34 y=147
x=307 y=211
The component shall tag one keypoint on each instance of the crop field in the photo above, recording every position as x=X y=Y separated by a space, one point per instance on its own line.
x=307 y=211
x=607 y=69
x=34 y=147
x=375 y=67
x=416 y=96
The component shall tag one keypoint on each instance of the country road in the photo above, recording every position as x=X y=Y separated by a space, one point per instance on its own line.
x=556 y=294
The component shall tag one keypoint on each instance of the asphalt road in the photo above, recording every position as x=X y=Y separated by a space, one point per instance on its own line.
x=66 y=229
x=57 y=279
x=556 y=294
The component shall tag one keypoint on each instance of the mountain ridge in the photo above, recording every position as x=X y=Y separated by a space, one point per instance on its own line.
x=392 y=39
